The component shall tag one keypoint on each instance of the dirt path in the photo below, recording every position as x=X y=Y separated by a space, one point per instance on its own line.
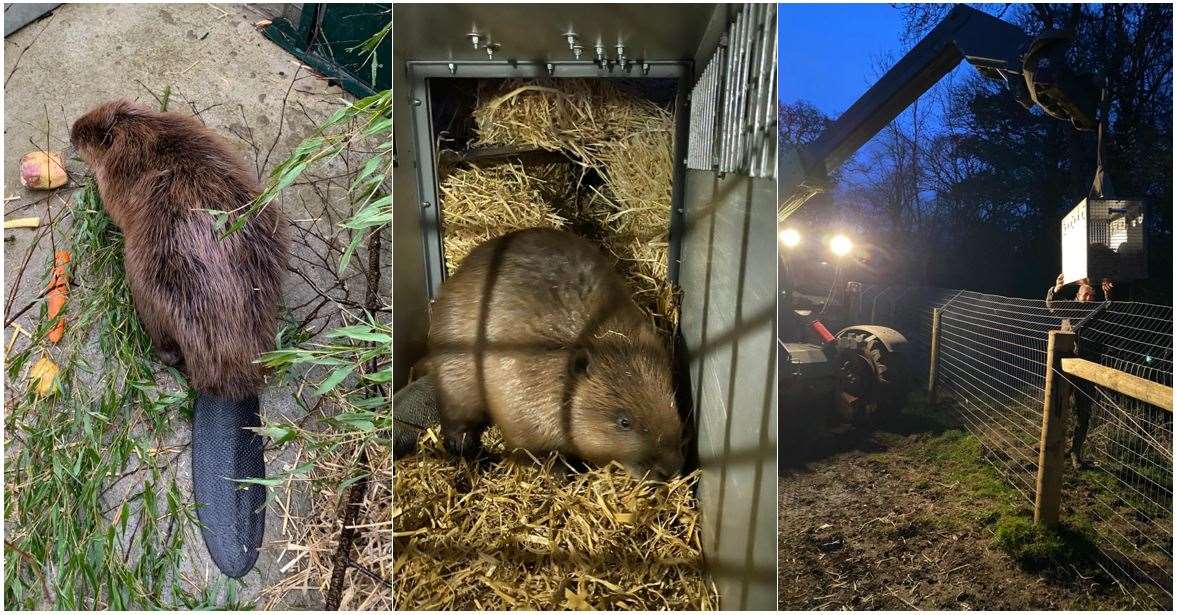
x=903 y=519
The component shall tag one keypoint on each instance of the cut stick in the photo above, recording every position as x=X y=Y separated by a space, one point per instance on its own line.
x=22 y=223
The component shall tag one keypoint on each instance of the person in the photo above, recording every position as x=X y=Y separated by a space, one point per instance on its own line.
x=1084 y=294
x=1082 y=391
x=1107 y=286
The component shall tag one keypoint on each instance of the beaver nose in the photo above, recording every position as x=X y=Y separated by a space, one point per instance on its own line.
x=669 y=466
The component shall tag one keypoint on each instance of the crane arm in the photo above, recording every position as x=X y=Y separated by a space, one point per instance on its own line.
x=1033 y=68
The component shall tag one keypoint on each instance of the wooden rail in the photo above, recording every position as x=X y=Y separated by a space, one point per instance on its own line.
x=1060 y=344
x=1135 y=387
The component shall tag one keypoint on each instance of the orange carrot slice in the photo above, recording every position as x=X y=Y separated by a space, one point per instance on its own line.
x=58 y=290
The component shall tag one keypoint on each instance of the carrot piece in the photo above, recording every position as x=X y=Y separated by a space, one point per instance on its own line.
x=58 y=290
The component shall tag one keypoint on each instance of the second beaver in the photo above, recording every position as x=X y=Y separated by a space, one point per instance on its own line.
x=536 y=333
x=207 y=301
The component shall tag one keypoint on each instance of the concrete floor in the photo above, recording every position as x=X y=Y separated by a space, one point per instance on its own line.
x=217 y=63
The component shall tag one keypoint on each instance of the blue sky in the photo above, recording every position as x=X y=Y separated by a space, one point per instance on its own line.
x=828 y=51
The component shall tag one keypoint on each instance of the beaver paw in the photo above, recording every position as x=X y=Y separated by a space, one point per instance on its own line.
x=463 y=443
x=171 y=358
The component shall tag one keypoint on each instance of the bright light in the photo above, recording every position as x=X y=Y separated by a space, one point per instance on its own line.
x=790 y=237
x=841 y=245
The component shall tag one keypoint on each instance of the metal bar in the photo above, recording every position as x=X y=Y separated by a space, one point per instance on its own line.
x=755 y=123
x=743 y=85
x=722 y=96
x=497 y=69
x=749 y=90
x=755 y=151
x=714 y=111
x=742 y=92
x=676 y=231
x=768 y=143
x=735 y=118
x=771 y=108
x=426 y=183
x=707 y=128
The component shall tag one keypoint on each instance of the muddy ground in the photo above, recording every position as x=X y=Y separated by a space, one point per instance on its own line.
x=903 y=517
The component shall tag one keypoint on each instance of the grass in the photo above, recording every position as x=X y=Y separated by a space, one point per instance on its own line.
x=986 y=498
x=95 y=516
x=1036 y=548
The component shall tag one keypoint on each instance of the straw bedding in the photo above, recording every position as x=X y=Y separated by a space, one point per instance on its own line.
x=615 y=187
x=527 y=533
x=519 y=532
x=308 y=560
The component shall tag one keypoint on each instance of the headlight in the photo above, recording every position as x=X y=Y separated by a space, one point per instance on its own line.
x=790 y=237
x=841 y=245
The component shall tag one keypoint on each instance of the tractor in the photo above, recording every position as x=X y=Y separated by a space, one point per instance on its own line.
x=860 y=369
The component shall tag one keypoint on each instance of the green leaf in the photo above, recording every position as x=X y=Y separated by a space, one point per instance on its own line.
x=362 y=333
x=380 y=377
x=360 y=421
x=289 y=176
x=334 y=379
x=280 y=435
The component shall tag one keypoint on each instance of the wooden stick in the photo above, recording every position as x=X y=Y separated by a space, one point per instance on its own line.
x=1135 y=387
x=22 y=223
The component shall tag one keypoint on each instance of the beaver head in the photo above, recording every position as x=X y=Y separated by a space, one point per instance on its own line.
x=95 y=133
x=622 y=405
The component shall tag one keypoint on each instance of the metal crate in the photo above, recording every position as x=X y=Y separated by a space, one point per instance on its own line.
x=1105 y=238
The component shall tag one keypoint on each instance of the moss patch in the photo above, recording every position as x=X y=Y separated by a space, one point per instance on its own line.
x=1036 y=548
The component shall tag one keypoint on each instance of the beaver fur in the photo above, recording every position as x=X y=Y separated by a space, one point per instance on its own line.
x=206 y=302
x=538 y=334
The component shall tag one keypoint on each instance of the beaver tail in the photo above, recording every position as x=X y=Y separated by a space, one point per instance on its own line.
x=414 y=408
x=224 y=451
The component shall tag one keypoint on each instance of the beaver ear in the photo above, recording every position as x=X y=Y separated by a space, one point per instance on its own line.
x=101 y=128
x=579 y=364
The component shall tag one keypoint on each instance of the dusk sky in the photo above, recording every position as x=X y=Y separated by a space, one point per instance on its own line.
x=828 y=51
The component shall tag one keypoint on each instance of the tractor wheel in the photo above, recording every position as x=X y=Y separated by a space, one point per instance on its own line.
x=888 y=379
x=870 y=383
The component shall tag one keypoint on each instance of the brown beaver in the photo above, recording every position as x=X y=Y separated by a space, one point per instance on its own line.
x=209 y=302
x=206 y=301
x=536 y=333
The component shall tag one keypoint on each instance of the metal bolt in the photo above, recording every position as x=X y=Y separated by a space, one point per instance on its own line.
x=571 y=36
x=416 y=102
x=453 y=68
x=551 y=69
x=599 y=51
x=577 y=50
x=620 y=53
x=645 y=68
x=491 y=48
x=426 y=205
x=476 y=39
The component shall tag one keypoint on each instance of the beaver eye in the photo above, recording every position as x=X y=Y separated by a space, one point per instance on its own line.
x=624 y=421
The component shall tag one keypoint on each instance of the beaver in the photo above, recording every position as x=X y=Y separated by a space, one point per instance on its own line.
x=536 y=333
x=207 y=302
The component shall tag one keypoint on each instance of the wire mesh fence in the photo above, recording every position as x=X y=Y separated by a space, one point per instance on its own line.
x=992 y=366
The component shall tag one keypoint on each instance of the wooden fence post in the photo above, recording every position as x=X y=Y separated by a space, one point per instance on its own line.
x=934 y=364
x=1052 y=445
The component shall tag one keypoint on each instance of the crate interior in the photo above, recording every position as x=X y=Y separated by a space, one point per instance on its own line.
x=650 y=550
x=591 y=156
